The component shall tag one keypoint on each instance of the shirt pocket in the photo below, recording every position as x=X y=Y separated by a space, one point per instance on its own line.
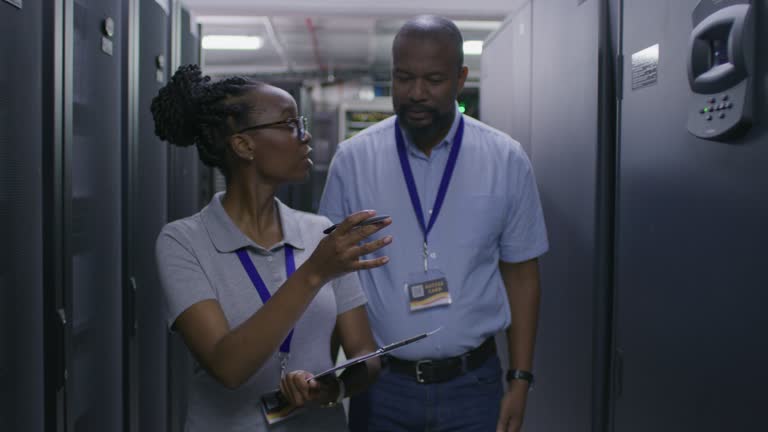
x=480 y=221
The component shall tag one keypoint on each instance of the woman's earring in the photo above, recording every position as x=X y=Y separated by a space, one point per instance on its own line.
x=251 y=157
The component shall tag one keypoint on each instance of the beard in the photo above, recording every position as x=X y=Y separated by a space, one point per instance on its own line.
x=441 y=121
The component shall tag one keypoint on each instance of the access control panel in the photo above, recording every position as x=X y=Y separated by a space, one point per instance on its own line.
x=721 y=69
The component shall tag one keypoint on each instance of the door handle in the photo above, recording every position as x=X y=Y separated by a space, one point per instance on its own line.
x=130 y=307
x=61 y=352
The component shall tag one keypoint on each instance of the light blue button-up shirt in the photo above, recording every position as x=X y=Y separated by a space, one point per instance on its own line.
x=491 y=212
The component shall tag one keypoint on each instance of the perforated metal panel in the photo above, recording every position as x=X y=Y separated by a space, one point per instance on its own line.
x=184 y=193
x=93 y=166
x=21 y=214
x=148 y=212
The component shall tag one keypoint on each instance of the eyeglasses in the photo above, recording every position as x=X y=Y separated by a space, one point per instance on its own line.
x=299 y=124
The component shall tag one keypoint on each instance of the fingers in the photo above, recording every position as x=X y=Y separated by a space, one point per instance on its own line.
x=349 y=223
x=359 y=234
x=356 y=233
x=367 y=248
x=289 y=391
x=501 y=426
x=321 y=390
x=370 y=264
x=295 y=387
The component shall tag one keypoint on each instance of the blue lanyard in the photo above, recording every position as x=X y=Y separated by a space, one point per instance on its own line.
x=261 y=287
x=446 y=180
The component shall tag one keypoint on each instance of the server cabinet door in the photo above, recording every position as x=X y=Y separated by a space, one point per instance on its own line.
x=691 y=244
x=184 y=184
x=21 y=218
x=92 y=202
x=566 y=148
x=147 y=208
x=505 y=87
x=183 y=175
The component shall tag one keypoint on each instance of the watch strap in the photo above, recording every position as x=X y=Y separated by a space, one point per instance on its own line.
x=518 y=374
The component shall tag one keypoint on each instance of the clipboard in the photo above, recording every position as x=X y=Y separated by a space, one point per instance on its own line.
x=383 y=350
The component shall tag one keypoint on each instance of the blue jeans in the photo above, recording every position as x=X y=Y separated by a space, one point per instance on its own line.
x=397 y=402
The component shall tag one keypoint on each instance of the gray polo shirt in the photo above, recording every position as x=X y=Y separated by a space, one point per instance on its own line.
x=197 y=261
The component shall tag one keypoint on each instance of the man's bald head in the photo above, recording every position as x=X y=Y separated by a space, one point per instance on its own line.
x=434 y=27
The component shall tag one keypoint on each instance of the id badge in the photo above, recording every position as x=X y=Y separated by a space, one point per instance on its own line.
x=276 y=408
x=427 y=290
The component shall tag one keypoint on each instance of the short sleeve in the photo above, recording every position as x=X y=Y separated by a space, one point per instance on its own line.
x=332 y=202
x=525 y=234
x=181 y=277
x=348 y=292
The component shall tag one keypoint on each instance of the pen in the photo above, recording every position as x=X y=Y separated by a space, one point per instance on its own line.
x=369 y=221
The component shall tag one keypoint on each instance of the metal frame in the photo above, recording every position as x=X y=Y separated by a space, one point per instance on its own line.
x=615 y=355
x=67 y=296
x=605 y=223
x=174 y=57
x=130 y=149
x=53 y=233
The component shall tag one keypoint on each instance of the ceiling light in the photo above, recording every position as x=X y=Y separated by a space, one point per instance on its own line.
x=478 y=25
x=473 y=47
x=221 y=42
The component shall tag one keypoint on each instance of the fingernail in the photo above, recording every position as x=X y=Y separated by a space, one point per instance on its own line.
x=385 y=260
x=388 y=239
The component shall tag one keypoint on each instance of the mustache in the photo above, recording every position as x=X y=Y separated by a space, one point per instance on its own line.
x=416 y=108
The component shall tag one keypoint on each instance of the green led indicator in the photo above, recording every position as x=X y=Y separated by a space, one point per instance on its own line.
x=462 y=108
x=706 y=110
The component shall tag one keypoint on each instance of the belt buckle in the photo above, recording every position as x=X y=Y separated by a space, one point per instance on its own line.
x=419 y=373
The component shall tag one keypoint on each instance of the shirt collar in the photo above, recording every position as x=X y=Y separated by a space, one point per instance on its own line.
x=446 y=142
x=227 y=237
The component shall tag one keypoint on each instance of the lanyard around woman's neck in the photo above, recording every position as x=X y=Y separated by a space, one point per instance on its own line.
x=261 y=288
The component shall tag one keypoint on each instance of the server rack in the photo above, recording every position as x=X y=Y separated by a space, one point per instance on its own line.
x=656 y=235
x=22 y=263
x=542 y=77
x=186 y=177
x=147 y=213
x=88 y=165
x=690 y=260
x=355 y=116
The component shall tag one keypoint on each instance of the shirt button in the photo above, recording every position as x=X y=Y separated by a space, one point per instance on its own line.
x=269 y=258
x=430 y=211
x=433 y=255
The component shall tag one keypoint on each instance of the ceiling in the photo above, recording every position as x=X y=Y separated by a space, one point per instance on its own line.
x=329 y=38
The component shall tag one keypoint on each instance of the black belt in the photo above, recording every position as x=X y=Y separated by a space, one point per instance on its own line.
x=432 y=371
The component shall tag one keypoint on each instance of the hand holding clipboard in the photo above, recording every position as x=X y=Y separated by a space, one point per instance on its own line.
x=277 y=408
x=383 y=350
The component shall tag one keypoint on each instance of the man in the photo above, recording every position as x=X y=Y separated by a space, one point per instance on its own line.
x=467 y=228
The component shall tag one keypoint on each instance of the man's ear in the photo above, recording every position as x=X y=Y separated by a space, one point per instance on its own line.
x=241 y=146
x=463 y=73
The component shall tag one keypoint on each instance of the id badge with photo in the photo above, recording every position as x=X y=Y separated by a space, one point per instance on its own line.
x=276 y=408
x=427 y=290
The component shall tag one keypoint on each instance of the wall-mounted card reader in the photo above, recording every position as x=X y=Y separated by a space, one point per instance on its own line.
x=721 y=69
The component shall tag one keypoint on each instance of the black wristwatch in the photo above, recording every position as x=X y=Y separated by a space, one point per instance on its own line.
x=517 y=374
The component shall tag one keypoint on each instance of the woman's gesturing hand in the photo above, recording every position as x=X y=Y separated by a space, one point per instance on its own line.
x=339 y=252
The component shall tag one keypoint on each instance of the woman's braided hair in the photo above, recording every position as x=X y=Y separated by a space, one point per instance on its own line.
x=190 y=110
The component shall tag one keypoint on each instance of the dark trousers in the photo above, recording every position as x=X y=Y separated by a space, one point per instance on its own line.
x=396 y=402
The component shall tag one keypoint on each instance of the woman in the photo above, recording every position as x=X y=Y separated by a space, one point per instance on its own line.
x=253 y=287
